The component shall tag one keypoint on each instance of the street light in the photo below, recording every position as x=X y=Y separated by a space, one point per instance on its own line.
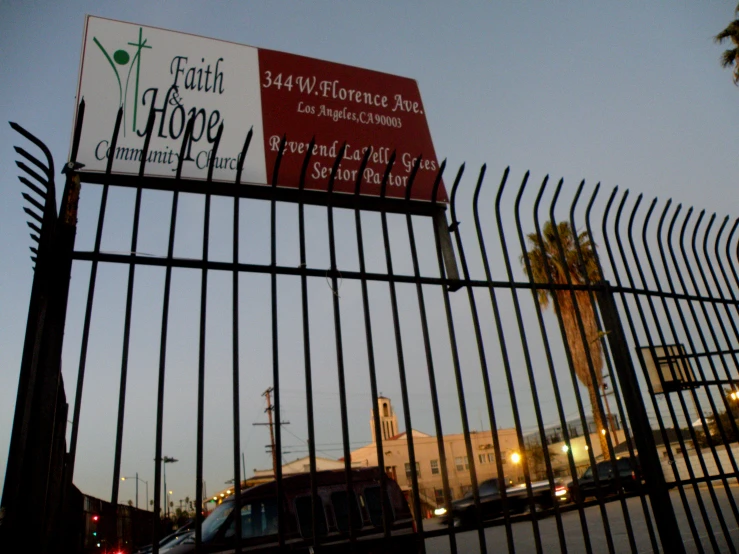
x=137 y=489
x=166 y=460
x=516 y=459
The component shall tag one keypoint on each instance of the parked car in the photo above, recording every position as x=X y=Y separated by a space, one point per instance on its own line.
x=171 y=539
x=627 y=477
x=491 y=501
x=334 y=503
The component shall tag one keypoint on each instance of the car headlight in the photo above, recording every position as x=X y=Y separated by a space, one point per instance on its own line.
x=439 y=511
x=560 y=491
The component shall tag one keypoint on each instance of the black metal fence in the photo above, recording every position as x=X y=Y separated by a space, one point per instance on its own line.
x=577 y=334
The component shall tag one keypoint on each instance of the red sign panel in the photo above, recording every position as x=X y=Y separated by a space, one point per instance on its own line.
x=303 y=98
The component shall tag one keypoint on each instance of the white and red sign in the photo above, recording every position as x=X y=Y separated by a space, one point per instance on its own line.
x=180 y=76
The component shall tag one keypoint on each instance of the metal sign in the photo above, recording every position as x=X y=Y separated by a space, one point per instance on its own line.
x=182 y=76
x=669 y=366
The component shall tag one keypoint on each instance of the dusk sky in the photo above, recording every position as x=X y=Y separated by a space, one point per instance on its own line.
x=628 y=94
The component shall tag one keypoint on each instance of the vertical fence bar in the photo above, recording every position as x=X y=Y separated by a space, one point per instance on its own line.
x=429 y=360
x=201 y=349
x=111 y=524
x=88 y=308
x=127 y=321
x=399 y=350
x=527 y=359
x=158 y=461
x=525 y=259
x=455 y=361
x=306 y=340
x=235 y=349
x=385 y=504
x=529 y=365
x=501 y=342
x=340 y=351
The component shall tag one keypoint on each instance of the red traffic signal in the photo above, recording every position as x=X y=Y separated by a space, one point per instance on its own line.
x=95 y=517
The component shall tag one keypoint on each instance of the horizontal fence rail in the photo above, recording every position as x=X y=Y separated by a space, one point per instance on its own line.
x=540 y=374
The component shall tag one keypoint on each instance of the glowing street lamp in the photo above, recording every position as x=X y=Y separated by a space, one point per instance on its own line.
x=137 y=489
x=516 y=458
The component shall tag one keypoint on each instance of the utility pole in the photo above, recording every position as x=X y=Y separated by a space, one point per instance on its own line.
x=610 y=415
x=271 y=424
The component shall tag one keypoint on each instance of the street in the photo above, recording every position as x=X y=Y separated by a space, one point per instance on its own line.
x=523 y=535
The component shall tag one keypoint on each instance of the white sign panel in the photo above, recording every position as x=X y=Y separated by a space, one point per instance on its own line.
x=177 y=75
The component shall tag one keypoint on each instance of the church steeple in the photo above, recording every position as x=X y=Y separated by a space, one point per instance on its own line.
x=388 y=419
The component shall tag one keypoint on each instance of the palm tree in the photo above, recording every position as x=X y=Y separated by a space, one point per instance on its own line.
x=546 y=262
x=731 y=57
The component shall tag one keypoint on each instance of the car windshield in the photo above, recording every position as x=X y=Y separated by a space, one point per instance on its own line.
x=214 y=521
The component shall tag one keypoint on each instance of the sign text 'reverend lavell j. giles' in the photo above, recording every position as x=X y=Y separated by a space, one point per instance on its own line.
x=180 y=76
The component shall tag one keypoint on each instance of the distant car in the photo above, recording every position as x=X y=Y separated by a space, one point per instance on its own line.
x=491 y=501
x=335 y=507
x=627 y=477
x=187 y=537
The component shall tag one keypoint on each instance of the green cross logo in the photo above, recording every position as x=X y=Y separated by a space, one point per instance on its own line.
x=122 y=58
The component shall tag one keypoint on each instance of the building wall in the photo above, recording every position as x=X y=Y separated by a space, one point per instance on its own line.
x=397 y=460
x=580 y=452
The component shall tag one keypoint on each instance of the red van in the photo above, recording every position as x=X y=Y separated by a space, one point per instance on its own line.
x=334 y=503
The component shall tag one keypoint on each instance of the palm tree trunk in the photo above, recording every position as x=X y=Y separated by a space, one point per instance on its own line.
x=581 y=351
x=599 y=422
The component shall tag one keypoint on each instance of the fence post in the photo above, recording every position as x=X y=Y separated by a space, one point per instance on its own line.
x=659 y=495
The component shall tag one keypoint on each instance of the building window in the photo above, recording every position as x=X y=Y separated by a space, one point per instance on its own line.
x=434 y=467
x=482 y=458
x=439 y=496
x=385 y=410
x=342 y=504
x=461 y=463
x=305 y=516
x=491 y=458
x=408 y=470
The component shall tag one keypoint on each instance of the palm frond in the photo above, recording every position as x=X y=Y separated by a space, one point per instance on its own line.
x=728 y=57
x=731 y=32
